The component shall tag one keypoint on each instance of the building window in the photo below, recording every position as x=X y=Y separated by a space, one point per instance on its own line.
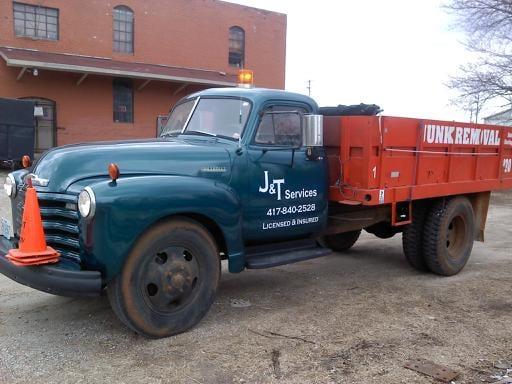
x=123 y=29
x=123 y=100
x=236 y=47
x=36 y=22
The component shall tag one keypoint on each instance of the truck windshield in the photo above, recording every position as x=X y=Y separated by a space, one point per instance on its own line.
x=213 y=117
x=178 y=118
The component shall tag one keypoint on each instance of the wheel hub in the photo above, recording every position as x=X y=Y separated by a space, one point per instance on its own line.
x=177 y=282
x=455 y=236
x=170 y=278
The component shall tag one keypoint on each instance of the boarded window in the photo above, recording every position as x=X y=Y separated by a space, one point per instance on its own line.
x=123 y=29
x=36 y=22
x=236 y=47
x=123 y=100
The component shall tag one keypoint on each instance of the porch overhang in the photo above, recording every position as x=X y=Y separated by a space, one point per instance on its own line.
x=89 y=65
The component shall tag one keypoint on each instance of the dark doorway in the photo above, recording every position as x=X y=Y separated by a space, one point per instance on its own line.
x=46 y=128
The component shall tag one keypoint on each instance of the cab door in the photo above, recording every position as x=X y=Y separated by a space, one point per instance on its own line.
x=287 y=191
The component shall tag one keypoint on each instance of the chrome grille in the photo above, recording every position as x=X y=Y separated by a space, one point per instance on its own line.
x=60 y=221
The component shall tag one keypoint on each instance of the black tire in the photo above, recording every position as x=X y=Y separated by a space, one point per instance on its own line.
x=449 y=235
x=341 y=242
x=383 y=230
x=412 y=238
x=169 y=279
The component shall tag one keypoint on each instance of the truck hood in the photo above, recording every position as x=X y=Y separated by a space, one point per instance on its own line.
x=66 y=165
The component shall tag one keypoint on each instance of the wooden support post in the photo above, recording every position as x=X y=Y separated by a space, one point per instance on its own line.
x=22 y=72
x=82 y=78
x=143 y=85
x=179 y=89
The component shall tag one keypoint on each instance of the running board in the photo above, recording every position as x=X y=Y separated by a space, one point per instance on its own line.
x=273 y=255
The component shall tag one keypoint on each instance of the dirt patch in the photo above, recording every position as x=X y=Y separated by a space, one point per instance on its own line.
x=351 y=318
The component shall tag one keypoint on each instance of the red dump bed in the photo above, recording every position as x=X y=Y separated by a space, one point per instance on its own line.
x=381 y=160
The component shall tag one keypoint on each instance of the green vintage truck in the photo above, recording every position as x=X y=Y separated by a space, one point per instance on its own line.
x=237 y=174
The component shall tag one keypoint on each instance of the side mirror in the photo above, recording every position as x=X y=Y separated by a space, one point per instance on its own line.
x=312 y=131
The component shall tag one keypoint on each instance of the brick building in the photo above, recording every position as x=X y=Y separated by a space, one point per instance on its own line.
x=103 y=70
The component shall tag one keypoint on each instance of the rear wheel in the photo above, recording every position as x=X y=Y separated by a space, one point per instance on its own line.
x=412 y=238
x=341 y=242
x=169 y=280
x=383 y=230
x=449 y=235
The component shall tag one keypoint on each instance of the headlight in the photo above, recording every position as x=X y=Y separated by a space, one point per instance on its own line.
x=10 y=186
x=87 y=202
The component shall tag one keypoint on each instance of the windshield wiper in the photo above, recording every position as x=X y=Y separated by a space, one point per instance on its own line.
x=210 y=135
x=226 y=137
x=199 y=133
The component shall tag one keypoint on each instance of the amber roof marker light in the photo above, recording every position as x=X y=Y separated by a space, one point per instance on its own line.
x=245 y=78
x=26 y=161
x=113 y=171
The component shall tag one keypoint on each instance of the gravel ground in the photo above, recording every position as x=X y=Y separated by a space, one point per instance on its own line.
x=352 y=318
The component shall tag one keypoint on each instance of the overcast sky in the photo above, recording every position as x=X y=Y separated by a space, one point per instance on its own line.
x=398 y=54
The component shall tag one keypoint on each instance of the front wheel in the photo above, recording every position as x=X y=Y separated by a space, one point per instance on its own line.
x=169 y=279
x=448 y=236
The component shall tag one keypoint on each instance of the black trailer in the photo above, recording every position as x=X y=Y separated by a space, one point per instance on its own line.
x=17 y=131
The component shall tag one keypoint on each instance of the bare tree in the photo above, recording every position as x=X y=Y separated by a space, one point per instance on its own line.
x=488 y=28
x=472 y=105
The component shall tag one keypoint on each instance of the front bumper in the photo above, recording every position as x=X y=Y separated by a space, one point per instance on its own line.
x=62 y=279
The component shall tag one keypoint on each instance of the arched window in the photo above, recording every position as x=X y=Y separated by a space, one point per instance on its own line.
x=236 y=47
x=123 y=29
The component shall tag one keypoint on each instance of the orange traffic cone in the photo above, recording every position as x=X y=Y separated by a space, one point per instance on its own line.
x=32 y=248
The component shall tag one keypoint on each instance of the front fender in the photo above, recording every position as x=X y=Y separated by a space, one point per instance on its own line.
x=128 y=207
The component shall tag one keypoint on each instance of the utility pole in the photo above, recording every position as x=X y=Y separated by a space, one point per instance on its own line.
x=309 y=88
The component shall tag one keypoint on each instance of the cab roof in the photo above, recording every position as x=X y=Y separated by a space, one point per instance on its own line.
x=257 y=95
